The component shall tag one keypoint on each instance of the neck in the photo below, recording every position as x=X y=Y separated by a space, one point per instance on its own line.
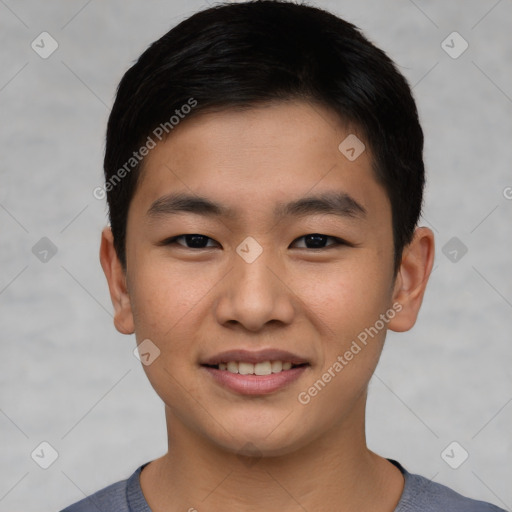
x=334 y=472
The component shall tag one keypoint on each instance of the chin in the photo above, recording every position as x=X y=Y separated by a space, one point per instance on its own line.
x=260 y=438
x=257 y=448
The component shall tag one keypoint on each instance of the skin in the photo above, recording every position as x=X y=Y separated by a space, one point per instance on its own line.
x=194 y=303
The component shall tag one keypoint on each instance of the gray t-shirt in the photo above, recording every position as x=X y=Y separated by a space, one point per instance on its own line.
x=419 y=495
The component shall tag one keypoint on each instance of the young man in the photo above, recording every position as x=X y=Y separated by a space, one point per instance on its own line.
x=264 y=177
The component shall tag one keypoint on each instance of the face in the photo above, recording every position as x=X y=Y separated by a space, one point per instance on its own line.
x=279 y=252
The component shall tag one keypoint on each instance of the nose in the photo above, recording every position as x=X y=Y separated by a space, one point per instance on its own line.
x=255 y=294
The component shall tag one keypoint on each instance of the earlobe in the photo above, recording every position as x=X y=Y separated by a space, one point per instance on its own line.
x=116 y=279
x=412 y=278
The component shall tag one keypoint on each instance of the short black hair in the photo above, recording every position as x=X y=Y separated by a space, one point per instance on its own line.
x=242 y=55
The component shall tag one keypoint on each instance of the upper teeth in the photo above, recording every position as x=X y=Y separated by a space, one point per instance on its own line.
x=264 y=368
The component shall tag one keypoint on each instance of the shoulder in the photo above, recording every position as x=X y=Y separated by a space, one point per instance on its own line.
x=423 y=495
x=113 y=497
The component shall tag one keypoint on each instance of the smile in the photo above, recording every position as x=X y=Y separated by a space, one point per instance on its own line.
x=247 y=378
x=263 y=368
x=250 y=372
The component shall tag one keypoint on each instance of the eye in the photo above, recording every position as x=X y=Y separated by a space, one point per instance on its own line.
x=317 y=241
x=196 y=241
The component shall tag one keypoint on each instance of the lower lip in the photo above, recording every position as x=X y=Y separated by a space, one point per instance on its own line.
x=255 y=384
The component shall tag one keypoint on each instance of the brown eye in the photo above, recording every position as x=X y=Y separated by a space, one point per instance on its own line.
x=318 y=241
x=195 y=241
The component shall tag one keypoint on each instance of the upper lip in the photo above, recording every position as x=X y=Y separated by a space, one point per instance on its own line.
x=248 y=356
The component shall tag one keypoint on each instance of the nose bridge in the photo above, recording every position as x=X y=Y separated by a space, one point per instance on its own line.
x=253 y=272
x=255 y=294
x=255 y=282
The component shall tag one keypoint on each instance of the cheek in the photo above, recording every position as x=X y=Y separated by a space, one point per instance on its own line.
x=348 y=306
x=167 y=300
x=164 y=296
x=346 y=298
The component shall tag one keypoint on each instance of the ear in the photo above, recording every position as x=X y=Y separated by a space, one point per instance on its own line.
x=412 y=278
x=116 y=278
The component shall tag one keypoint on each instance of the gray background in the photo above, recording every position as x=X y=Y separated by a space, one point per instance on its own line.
x=69 y=378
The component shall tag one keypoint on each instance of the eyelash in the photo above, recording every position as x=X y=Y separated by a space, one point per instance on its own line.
x=338 y=241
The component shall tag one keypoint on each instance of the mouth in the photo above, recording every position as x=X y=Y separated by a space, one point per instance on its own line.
x=263 y=368
x=255 y=373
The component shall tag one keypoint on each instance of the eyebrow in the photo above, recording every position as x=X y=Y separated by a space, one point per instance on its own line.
x=329 y=203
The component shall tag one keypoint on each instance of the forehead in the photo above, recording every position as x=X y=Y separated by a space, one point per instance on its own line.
x=254 y=159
